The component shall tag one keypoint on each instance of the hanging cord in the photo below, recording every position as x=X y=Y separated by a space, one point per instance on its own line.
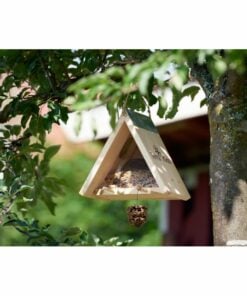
x=138 y=188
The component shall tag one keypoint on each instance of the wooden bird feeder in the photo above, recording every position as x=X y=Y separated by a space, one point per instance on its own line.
x=134 y=164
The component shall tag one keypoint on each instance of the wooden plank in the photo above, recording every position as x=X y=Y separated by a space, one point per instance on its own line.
x=133 y=190
x=106 y=158
x=158 y=160
x=150 y=196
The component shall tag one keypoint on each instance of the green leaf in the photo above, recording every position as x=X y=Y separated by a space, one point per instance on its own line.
x=15 y=222
x=180 y=77
x=136 y=102
x=84 y=237
x=6 y=133
x=204 y=102
x=115 y=73
x=24 y=119
x=191 y=91
x=77 y=123
x=175 y=103
x=51 y=151
x=36 y=147
x=220 y=66
x=15 y=130
x=24 y=188
x=152 y=99
x=112 y=109
x=151 y=85
x=33 y=125
x=162 y=107
x=144 y=82
x=64 y=114
x=134 y=71
x=53 y=184
x=51 y=205
x=84 y=105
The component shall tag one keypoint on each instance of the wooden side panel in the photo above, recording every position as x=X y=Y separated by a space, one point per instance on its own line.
x=106 y=159
x=158 y=161
x=126 y=153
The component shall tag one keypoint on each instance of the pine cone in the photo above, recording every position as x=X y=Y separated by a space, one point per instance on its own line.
x=137 y=215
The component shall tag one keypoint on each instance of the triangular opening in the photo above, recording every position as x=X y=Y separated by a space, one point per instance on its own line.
x=130 y=171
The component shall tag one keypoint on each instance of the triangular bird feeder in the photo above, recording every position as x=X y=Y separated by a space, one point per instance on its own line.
x=134 y=164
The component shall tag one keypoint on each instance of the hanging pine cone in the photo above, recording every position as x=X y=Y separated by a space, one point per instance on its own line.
x=137 y=215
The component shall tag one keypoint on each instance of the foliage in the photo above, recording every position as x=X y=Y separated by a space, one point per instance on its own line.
x=107 y=218
x=33 y=80
x=39 y=236
x=133 y=86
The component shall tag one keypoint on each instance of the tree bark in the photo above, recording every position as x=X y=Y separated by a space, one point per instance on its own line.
x=228 y=164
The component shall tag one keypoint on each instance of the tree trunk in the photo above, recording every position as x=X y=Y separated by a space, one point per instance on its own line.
x=228 y=164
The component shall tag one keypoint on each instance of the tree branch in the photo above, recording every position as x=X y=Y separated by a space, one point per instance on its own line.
x=202 y=75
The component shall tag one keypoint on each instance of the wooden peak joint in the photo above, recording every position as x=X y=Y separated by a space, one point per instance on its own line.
x=134 y=164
